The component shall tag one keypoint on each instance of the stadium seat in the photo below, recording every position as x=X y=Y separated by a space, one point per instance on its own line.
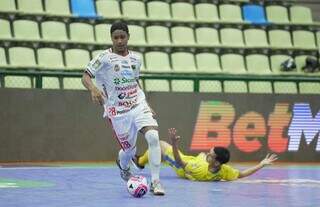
x=108 y=8
x=22 y=57
x=230 y=13
x=280 y=39
x=57 y=7
x=157 y=85
x=235 y=87
x=7 y=6
x=285 y=87
x=276 y=61
x=5 y=31
x=206 y=12
x=309 y=88
x=158 y=10
x=254 y=14
x=137 y=35
x=3 y=59
x=26 y=30
x=50 y=58
x=157 y=61
x=277 y=14
x=73 y=83
x=50 y=83
x=158 y=35
x=182 y=11
x=30 y=6
x=77 y=59
x=233 y=63
x=260 y=87
x=95 y=53
x=182 y=35
x=231 y=37
x=207 y=36
x=18 y=82
x=318 y=38
x=208 y=63
x=300 y=14
x=134 y=9
x=258 y=64
x=210 y=86
x=256 y=38
x=81 y=32
x=102 y=32
x=54 y=31
x=83 y=8
x=182 y=85
x=304 y=39
x=183 y=62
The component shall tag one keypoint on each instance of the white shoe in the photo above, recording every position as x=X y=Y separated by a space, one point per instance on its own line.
x=156 y=188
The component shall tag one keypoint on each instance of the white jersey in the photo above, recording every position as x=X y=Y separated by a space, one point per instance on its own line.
x=117 y=77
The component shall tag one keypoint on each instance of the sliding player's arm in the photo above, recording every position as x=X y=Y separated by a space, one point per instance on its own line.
x=174 y=141
x=268 y=160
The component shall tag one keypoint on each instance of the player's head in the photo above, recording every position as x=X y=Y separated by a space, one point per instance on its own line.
x=120 y=35
x=219 y=154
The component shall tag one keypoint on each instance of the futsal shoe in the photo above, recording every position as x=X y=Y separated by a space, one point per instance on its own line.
x=125 y=174
x=156 y=188
x=135 y=163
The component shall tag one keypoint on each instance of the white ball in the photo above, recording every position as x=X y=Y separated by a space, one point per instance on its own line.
x=137 y=186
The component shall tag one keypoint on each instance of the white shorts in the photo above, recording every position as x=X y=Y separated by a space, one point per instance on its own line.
x=127 y=126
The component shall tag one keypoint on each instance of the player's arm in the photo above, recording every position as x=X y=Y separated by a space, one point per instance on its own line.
x=174 y=141
x=268 y=160
x=96 y=95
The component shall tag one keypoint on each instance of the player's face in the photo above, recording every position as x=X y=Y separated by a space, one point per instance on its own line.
x=211 y=156
x=120 y=40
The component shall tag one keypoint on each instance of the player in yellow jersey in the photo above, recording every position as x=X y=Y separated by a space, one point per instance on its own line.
x=209 y=166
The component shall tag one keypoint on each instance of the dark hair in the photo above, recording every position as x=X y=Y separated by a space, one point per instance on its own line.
x=222 y=154
x=119 y=25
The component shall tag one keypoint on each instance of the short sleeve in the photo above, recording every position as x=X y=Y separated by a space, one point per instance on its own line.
x=137 y=67
x=96 y=64
x=229 y=173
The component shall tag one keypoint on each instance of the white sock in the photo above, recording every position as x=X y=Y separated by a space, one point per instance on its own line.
x=126 y=156
x=152 y=138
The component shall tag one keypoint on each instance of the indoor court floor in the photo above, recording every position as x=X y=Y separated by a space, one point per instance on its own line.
x=99 y=185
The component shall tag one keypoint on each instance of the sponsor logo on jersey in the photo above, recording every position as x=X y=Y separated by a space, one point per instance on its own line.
x=116 y=67
x=118 y=81
x=127 y=74
x=133 y=67
x=122 y=95
x=125 y=88
x=127 y=104
x=96 y=64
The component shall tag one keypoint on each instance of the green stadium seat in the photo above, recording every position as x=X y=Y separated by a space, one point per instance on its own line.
x=157 y=61
x=22 y=57
x=77 y=59
x=81 y=32
x=210 y=86
x=280 y=39
x=30 y=6
x=108 y=8
x=182 y=35
x=300 y=14
x=158 y=10
x=50 y=83
x=318 y=38
x=102 y=32
x=5 y=31
x=256 y=38
x=277 y=14
x=304 y=39
x=134 y=9
x=26 y=30
x=183 y=62
x=233 y=63
x=309 y=88
x=206 y=12
x=57 y=7
x=18 y=82
x=276 y=61
x=50 y=58
x=54 y=31
x=7 y=6
x=207 y=36
x=137 y=35
x=157 y=85
x=208 y=63
x=285 y=87
x=230 y=13
x=158 y=35
x=182 y=11
x=258 y=64
x=3 y=59
x=73 y=83
x=231 y=37
x=260 y=87
x=235 y=87
x=182 y=85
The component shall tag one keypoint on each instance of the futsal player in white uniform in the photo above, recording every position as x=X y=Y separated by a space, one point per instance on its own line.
x=117 y=88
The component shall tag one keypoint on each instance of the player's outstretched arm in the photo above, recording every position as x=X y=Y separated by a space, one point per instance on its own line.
x=268 y=160
x=174 y=141
x=96 y=95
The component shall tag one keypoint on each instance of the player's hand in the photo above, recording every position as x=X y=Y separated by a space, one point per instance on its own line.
x=269 y=159
x=174 y=138
x=97 y=96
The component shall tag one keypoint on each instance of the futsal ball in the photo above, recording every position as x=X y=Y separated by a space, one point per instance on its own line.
x=137 y=186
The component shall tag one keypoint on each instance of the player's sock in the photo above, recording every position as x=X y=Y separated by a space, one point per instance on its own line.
x=125 y=157
x=154 y=154
x=144 y=159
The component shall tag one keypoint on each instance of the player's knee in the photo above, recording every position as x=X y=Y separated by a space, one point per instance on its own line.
x=152 y=137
